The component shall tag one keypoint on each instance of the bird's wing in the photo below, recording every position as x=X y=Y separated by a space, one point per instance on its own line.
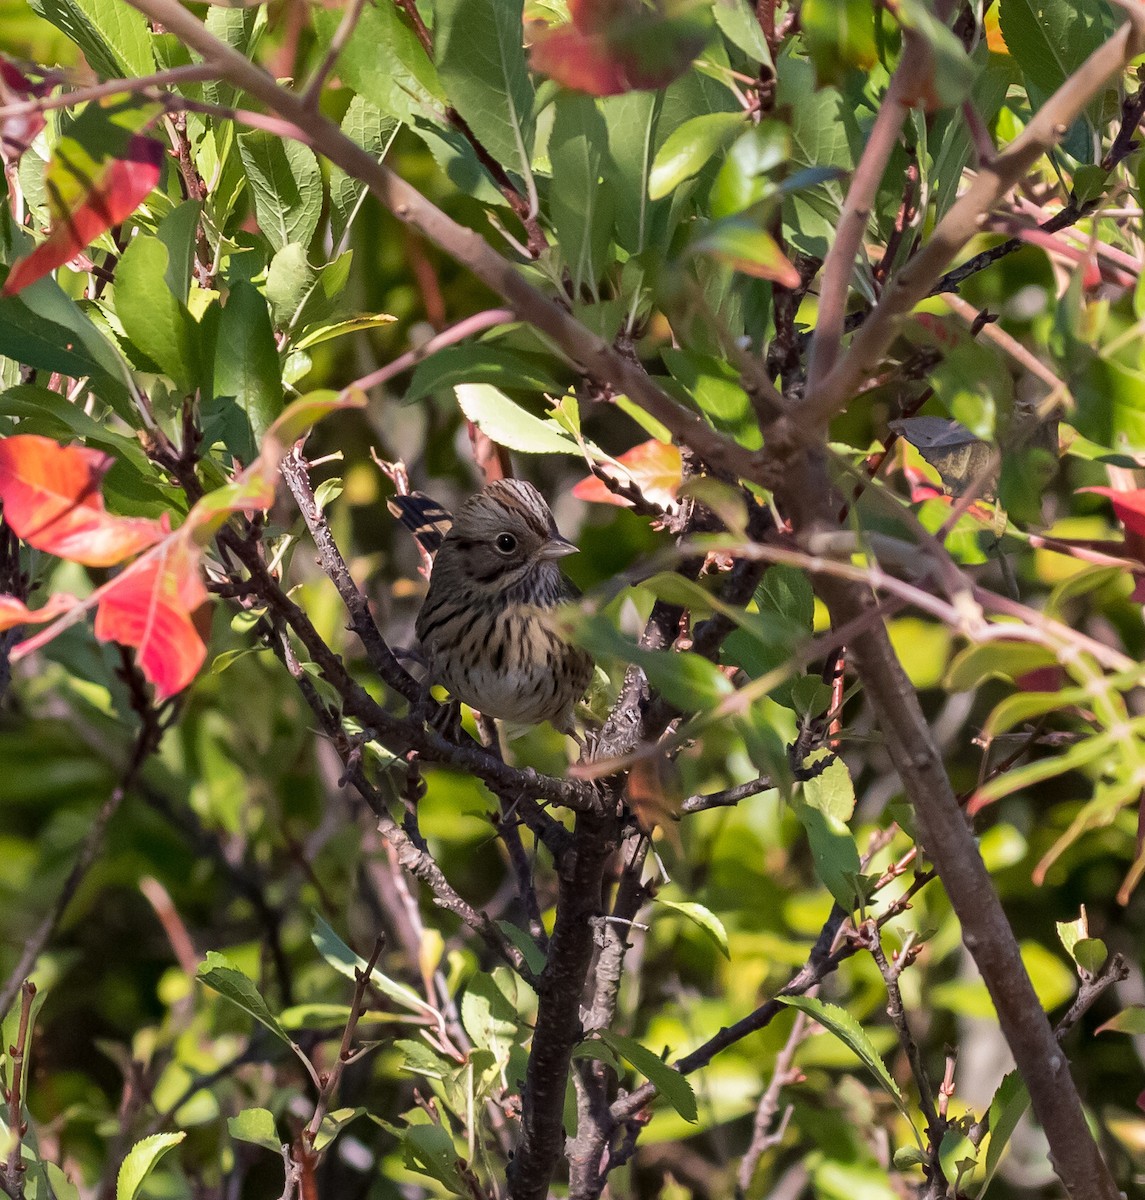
x=424 y=518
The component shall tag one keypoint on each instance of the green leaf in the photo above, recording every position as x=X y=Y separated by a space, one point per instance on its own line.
x=332 y=1124
x=247 y=371
x=44 y=328
x=844 y=1026
x=742 y=243
x=114 y=37
x=666 y=1079
x=953 y=72
x=480 y=363
x=1110 y=402
x=489 y=1016
x=823 y=808
x=743 y=178
x=385 y=63
x=255 y=1125
x=155 y=320
x=716 y=388
x=1128 y=1020
x=1026 y=706
x=1050 y=39
x=1090 y=955
x=580 y=206
x=974 y=385
x=345 y=961
x=368 y=127
x=140 y=1160
x=831 y=791
x=178 y=231
x=632 y=120
x=740 y=25
x=535 y=958
x=1006 y=1109
x=509 y=425
x=690 y=147
x=703 y=918
x=286 y=182
x=428 y=1149
x=995 y=660
x=479 y=48
x=840 y=36
x=216 y=972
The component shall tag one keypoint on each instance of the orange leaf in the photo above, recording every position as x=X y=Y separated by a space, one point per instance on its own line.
x=106 y=200
x=149 y=606
x=15 y=612
x=52 y=501
x=654 y=467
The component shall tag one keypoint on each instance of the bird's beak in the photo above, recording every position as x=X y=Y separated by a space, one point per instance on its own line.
x=557 y=547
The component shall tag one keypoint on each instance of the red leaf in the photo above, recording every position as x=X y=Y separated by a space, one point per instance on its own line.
x=615 y=46
x=1042 y=679
x=149 y=606
x=19 y=131
x=107 y=200
x=580 y=61
x=654 y=467
x=1129 y=506
x=52 y=501
x=15 y=612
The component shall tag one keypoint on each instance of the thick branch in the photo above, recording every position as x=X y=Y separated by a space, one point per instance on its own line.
x=950 y=844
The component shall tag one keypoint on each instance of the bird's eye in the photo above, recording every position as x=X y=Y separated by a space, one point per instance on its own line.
x=506 y=543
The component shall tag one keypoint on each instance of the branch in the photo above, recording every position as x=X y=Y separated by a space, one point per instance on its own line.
x=14 y=1171
x=904 y=88
x=763 y=1137
x=1046 y=128
x=589 y=352
x=296 y=471
x=950 y=844
x=331 y=1079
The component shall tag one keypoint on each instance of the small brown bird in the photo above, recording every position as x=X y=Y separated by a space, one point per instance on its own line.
x=486 y=625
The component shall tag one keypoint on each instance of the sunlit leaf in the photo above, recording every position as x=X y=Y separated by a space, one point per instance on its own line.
x=140 y=1161
x=654 y=467
x=666 y=1079
x=113 y=188
x=52 y=500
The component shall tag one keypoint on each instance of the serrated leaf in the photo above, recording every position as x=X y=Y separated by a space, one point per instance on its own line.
x=218 y=973
x=666 y=1079
x=1006 y=1109
x=286 y=182
x=1128 y=1020
x=255 y=1125
x=140 y=1160
x=844 y=1026
x=332 y=1124
x=703 y=918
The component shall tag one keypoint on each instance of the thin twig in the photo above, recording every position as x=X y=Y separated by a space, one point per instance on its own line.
x=14 y=1174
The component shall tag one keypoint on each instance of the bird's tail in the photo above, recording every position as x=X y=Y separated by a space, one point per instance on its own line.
x=424 y=518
